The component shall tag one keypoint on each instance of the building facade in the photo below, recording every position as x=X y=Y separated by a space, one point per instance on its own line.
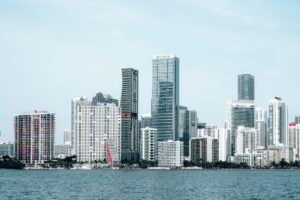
x=148 y=144
x=261 y=124
x=294 y=138
x=251 y=158
x=146 y=121
x=106 y=99
x=204 y=149
x=7 y=149
x=75 y=104
x=277 y=153
x=245 y=139
x=170 y=153
x=130 y=109
x=97 y=132
x=278 y=122
x=34 y=137
x=62 y=150
x=187 y=127
x=246 y=87
x=297 y=119
x=67 y=137
x=239 y=113
x=224 y=143
x=165 y=96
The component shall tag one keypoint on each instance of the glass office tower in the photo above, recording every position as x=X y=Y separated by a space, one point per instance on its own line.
x=239 y=113
x=165 y=96
x=246 y=87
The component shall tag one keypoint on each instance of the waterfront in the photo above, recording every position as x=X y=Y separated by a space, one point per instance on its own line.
x=148 y=184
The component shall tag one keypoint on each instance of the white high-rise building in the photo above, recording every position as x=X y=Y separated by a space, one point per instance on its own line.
x=97 y=131
x=294 y=138
x=148 y=144
x=245 y=139
x=278 y=122
x=74 y=107
x=67 y=137
x=170 y=153
x=261 y=120
x=224 y=143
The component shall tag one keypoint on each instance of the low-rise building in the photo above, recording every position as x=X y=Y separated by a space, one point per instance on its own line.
x=62 y=150
x=170 y=153
x=7 y=149
x=277 y=153
x=251 y=158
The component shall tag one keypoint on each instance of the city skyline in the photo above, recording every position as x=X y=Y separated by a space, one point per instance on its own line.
x=42 y=72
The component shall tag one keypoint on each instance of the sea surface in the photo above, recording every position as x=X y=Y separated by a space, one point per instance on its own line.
x=149 y=184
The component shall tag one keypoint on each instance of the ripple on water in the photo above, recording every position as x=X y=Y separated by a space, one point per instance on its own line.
x=147 y=184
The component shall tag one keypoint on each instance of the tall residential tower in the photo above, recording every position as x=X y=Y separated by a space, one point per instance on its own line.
x=130 y=108
x=34 y=137
x=278 y=122
x=97 y=131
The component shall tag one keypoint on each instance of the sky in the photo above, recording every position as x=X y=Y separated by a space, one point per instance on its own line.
x=54 y=50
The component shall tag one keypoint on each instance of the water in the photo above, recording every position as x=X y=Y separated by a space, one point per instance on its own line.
x=147 y=184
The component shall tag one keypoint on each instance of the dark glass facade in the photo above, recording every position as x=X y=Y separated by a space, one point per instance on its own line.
x=165 y=96
x=130 y=124
x=246 y=87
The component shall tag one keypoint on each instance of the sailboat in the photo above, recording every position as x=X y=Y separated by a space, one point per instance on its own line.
x=108 y=153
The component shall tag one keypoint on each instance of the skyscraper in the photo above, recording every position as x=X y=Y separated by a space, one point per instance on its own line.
x=297 y=119
x=246 y=90
x=261 y=120
x=294 y=138
x=130 y=108
x=165 y=96
x=75 y=103
x=67 y=137
x=146 y=121
x=245 y=139
x=182 y=123
x=34 y=137
x=224 y=143
x=97 y=131
x=187 y=127
x=278 y=122
x=239 y=113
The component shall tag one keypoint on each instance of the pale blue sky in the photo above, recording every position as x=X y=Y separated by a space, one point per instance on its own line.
x=53 y=50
